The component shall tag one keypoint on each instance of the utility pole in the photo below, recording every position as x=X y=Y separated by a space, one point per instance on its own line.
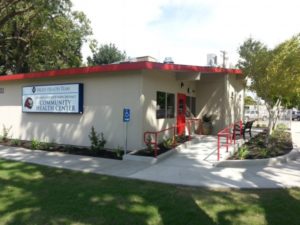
x=224 y=58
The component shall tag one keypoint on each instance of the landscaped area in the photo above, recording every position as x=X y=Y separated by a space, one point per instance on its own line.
x=97 y=148
x=164 y=146
x=31 y=194
x=280 y=143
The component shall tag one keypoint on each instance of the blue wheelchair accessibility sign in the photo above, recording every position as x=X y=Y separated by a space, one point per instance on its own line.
x=126 y=115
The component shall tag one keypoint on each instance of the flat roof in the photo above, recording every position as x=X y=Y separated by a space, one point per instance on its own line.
x=128 y=66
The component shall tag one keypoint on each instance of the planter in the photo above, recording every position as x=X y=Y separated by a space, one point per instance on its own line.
x=207 y=128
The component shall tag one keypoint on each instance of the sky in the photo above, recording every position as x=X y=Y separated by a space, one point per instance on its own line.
x=188 y=30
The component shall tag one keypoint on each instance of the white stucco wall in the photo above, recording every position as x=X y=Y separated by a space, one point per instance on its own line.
x=212 y=99
x=236 y=93
x=222 y=96
x=105 y=96
x=154 y=81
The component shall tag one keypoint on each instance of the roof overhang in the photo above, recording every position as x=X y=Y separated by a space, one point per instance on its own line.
x=180 y=70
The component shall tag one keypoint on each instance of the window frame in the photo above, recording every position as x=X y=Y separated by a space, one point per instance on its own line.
x=167 y=104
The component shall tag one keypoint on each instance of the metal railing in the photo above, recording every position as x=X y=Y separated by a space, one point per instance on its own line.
x=229 y=133
x=155 y=141
x=151 y=137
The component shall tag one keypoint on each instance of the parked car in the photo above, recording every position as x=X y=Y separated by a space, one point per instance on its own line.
x=296 y=115
x=255 y=115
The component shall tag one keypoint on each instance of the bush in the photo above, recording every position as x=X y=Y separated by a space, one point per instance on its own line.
x=168 y=143
x=16 y=142
x=5 y=133
x=47 y=145
x=264 y=152
x=119 y=152
x=97 y=141
x=281 y=126
x=148 y=143
x=35 y=144
x=243 y=152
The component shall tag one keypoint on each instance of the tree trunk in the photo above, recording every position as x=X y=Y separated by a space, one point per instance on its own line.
x=273 y=115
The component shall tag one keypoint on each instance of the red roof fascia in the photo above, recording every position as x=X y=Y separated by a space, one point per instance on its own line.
x=118 y=68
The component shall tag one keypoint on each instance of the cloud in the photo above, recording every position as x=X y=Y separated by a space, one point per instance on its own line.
x=189 y=29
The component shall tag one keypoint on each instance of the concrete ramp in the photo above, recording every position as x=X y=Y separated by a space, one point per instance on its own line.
x=200 y=151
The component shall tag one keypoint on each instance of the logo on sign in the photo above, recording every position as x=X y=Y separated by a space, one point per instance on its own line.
x=126 y=115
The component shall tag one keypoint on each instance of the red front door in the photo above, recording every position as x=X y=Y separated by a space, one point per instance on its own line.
x=181 y=109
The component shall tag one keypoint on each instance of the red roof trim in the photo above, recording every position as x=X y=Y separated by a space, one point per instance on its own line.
x=118 y=68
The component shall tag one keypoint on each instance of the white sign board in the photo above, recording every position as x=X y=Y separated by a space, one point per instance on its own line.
x=62 y=98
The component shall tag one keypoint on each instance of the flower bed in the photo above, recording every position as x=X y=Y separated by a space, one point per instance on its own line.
x=163 y=147
x=280 y=143
x=70 y=149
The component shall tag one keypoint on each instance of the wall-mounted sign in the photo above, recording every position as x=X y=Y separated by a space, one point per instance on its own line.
x=61 y=98
x=126 y=115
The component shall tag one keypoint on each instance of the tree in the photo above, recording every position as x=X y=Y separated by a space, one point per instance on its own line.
x=274 y=73
x=249 y=100
x=105 y=54
x=40 y=35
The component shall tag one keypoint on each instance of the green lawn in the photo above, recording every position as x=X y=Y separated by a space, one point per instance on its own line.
x=31 y=194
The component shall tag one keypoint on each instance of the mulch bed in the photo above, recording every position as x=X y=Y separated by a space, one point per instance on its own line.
x=278 y=146
x=161 y=148
x=70 y=149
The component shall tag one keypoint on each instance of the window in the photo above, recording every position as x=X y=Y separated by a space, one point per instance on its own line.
x=165 y=105
x=170 y=105
x=190 y=106
x=160 y=105
x=1 y=90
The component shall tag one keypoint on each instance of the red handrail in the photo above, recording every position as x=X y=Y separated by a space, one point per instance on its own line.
x=156 y=133
x=155 y=142
x=230 y=134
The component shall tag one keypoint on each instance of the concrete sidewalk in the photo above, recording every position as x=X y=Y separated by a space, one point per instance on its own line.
x=182 y=169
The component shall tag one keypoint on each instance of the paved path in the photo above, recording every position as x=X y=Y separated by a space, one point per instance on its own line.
x=178 y=169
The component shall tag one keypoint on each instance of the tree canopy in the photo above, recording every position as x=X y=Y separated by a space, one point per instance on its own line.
x=274 y=73
x=40 y=35
x=249 y=101
x=105 y=54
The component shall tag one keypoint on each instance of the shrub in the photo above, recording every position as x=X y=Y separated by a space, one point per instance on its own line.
x=264 y=152
x=35 y=144
x=97 y=141
x=281 y=126
x=243 y=152
x=168 y=143
x=5 y=133
x=119 y=152
x=148 y=143
x=207 y=118
x=16 y=142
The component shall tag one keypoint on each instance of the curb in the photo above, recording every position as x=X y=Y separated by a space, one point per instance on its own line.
x=152 y=160
x=149 y=159
x=291 y=156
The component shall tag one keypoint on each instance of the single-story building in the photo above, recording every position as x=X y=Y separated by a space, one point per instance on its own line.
x=63 y=105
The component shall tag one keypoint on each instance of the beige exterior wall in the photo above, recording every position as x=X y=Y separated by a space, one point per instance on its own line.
x=211 y=99
x=222 y=96
x=165 y=82
x=105 y=96
x=236 y=93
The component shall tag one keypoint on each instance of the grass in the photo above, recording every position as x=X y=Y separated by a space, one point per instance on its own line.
x=31 y=194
